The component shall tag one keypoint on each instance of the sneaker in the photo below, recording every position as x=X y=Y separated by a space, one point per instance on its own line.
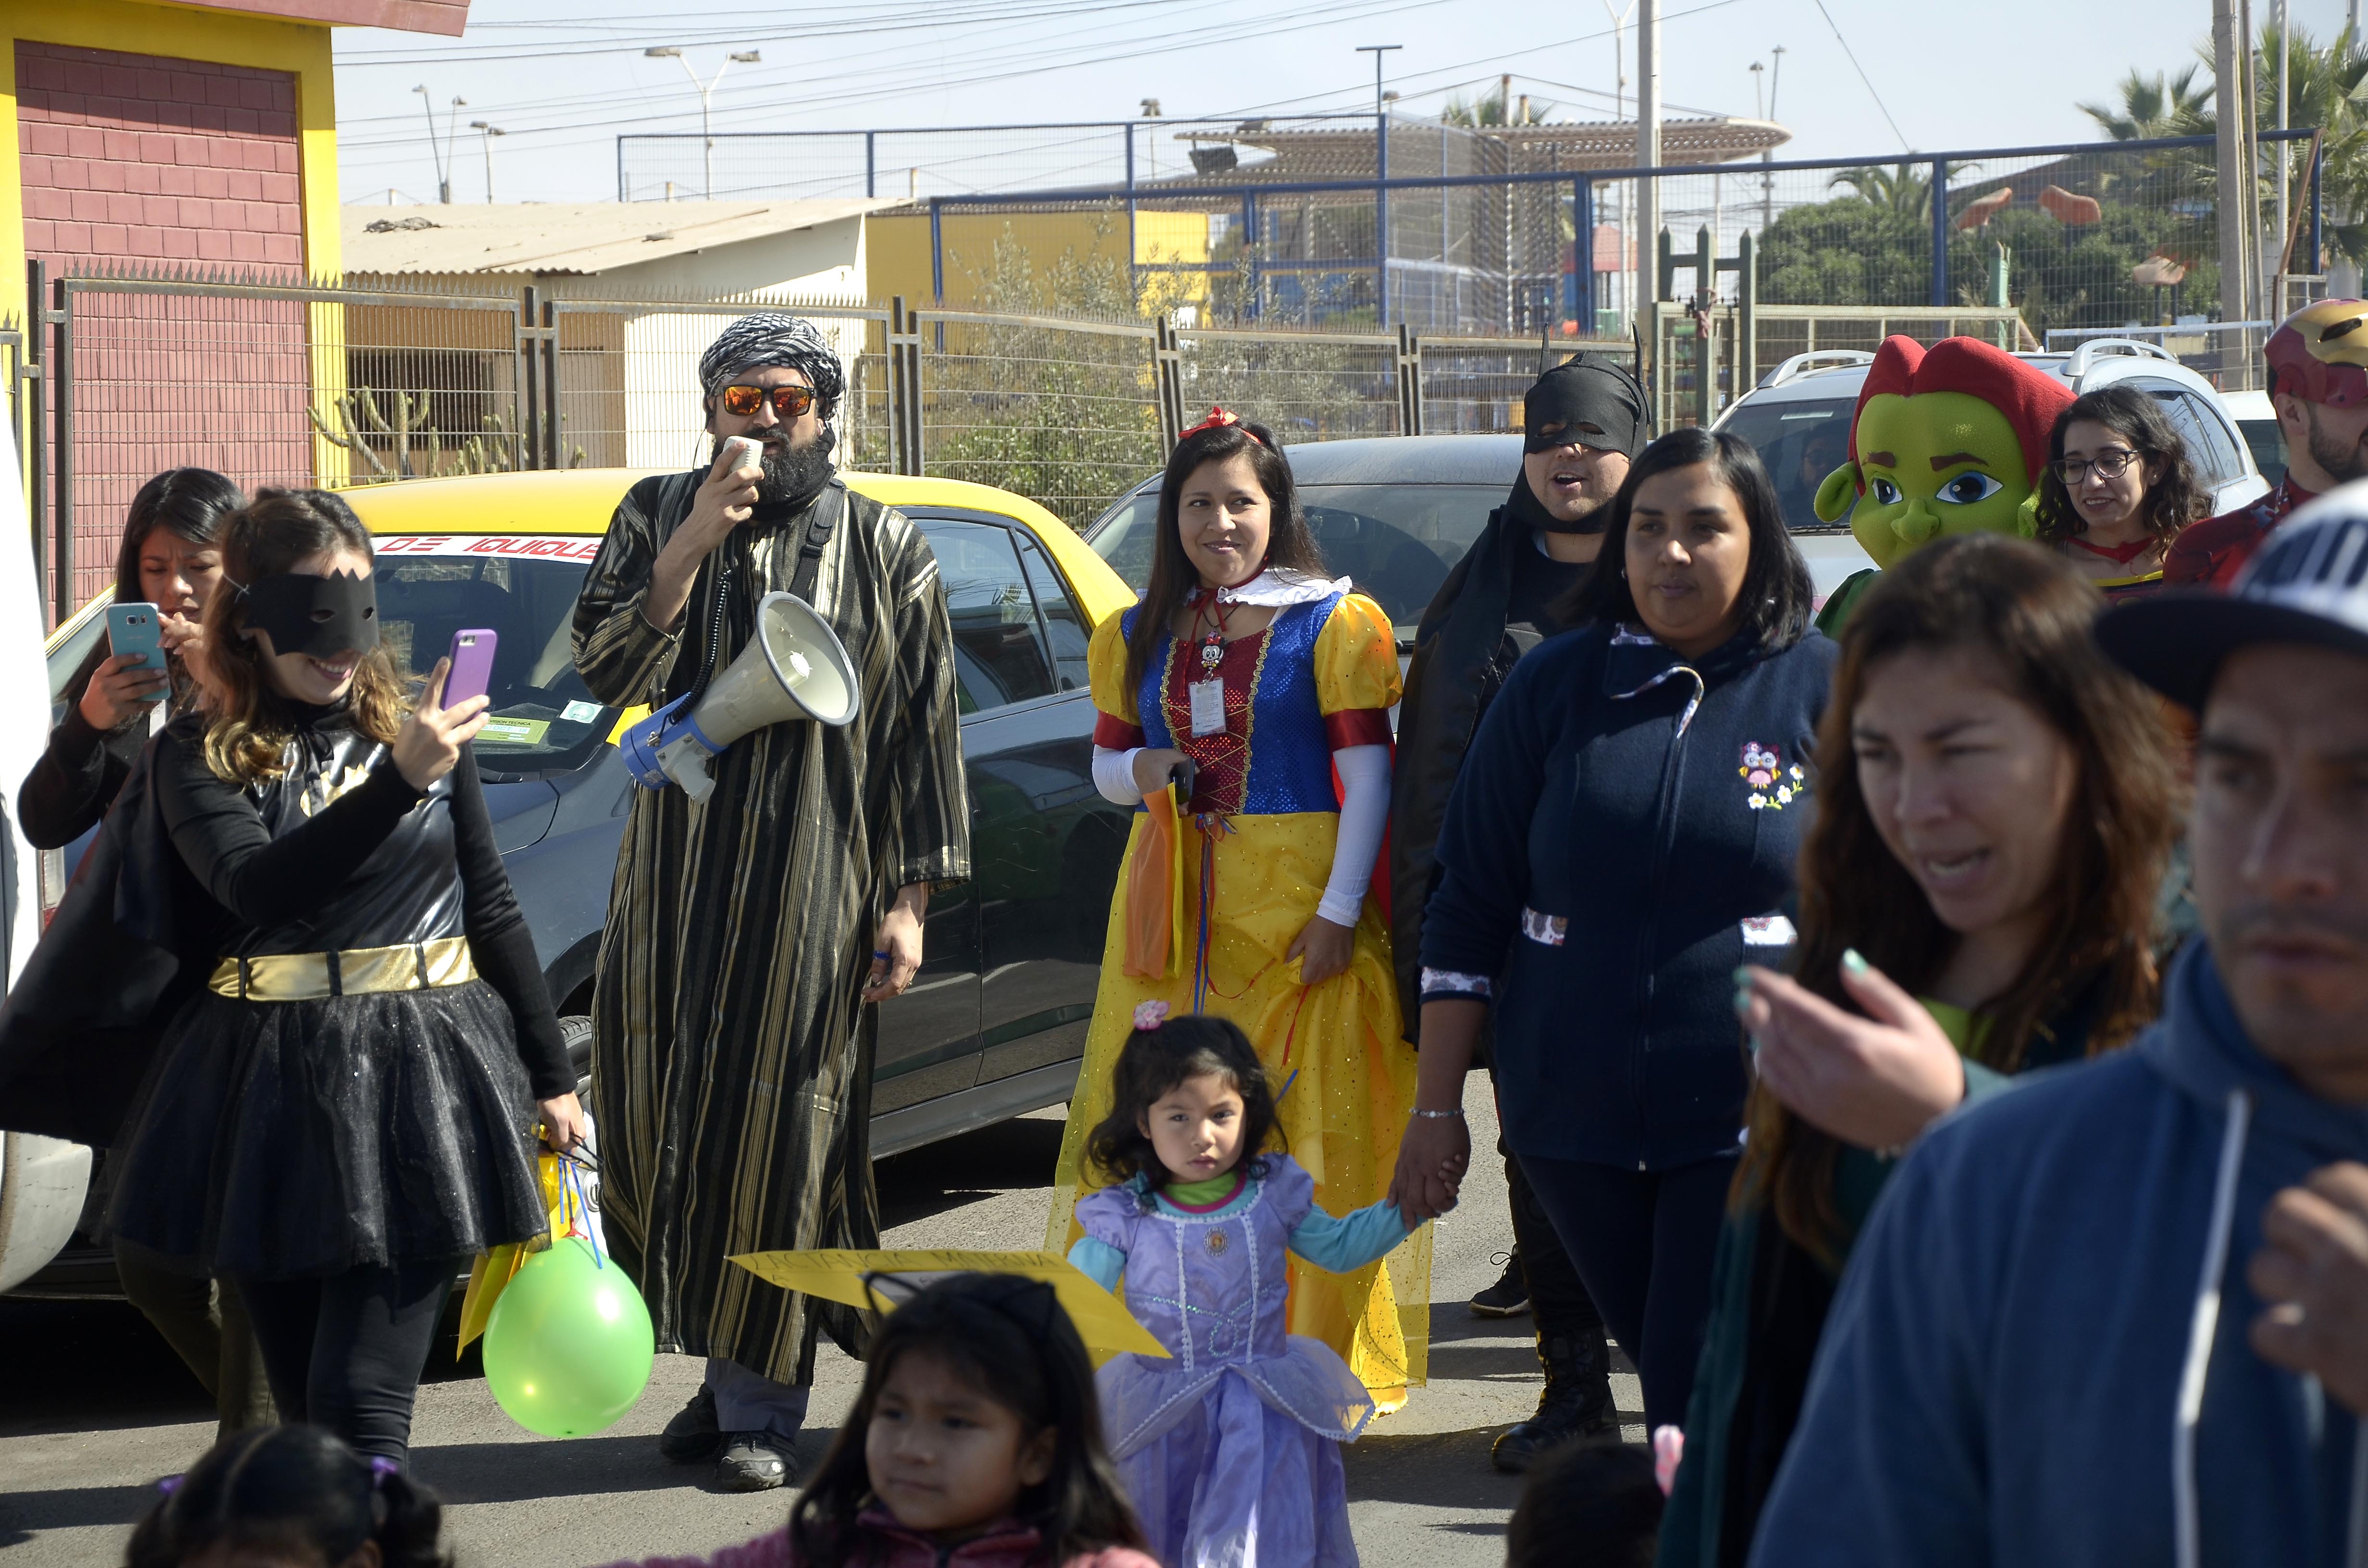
x=1508 y=1297
x=755 y=1461
x=692 y=1437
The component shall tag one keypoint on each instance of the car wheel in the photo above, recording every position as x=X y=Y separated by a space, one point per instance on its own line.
x=575 y=1034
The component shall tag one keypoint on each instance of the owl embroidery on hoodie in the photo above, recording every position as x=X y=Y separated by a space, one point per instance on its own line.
x=1768 y=784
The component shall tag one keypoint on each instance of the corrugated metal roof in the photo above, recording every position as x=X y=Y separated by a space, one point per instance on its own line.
x=568 y=237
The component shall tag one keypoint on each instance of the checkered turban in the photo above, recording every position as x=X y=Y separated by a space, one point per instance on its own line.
x=768 y=338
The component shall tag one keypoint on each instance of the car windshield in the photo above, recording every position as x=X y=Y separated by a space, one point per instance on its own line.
x=544 y=719
x=1801 y=441
x=1396 y=541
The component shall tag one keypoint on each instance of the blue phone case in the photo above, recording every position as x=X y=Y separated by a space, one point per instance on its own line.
x=132 y=629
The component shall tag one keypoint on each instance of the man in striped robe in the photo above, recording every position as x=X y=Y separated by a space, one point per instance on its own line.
x=732 y=1044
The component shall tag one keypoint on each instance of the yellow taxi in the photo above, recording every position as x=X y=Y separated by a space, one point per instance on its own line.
x=994 y=1024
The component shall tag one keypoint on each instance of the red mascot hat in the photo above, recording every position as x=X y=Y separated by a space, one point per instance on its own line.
x=2027 y=395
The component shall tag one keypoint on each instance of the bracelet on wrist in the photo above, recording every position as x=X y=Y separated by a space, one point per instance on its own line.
x=1456 y=1115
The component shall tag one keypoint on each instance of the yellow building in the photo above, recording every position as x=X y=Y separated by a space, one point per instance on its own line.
x=192 y=132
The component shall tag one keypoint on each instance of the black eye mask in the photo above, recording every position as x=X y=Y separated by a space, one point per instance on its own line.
x=319 y=615
x=1588 y=389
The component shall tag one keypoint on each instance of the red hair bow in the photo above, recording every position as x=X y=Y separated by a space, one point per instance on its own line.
x=1218 y=419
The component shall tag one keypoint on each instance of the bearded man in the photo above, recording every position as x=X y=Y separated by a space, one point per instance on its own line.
x=732 y=1052
x=1584 y=423
x=2317 y=363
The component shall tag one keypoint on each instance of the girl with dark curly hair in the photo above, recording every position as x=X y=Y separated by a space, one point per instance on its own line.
x=2117 y=489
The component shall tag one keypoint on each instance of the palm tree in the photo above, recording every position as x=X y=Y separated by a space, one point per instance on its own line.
x=1903 y=187
x=2155 y=108
x=2326 y=87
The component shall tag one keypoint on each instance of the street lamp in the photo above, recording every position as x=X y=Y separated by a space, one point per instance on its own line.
x=442 y=154
x=490 y=132
x=706 y=101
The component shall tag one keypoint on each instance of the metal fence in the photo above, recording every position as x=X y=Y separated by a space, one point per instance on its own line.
x=1433 y=227
x=360 y=380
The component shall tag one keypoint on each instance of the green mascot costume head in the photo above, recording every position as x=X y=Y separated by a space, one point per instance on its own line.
x=1945 y=442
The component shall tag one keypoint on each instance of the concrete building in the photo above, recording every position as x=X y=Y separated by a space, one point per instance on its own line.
x=627 y=357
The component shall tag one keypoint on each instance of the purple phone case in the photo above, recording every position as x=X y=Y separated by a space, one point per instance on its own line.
x=473 y=665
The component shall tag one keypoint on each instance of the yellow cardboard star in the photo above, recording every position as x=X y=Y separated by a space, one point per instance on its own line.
x=1102 y=1320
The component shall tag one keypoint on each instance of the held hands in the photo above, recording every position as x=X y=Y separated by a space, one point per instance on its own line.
x=428 y=745
x=897 y=947
x=117 y=692
x=722 y=503
x=1432 y=1158
x=1322 y=950
x=1154 y=766
x=1874 y=1082
x=563 y=1124
x=2313 y=1271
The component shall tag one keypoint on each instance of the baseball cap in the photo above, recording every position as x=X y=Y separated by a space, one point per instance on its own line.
x=2307 y=584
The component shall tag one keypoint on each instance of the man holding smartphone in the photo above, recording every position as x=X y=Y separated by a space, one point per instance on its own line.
x=732 y=1052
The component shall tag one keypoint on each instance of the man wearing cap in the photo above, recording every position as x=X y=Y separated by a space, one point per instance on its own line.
x=732 y=1052
x=2318 y=384
x=1584 y=422
x=2120 y=1313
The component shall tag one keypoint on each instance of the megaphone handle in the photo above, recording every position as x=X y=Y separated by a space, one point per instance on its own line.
x=688 y=768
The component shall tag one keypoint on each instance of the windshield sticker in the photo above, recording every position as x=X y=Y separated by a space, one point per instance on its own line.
x=514 y=731
x=580 y=712
x=558 y=547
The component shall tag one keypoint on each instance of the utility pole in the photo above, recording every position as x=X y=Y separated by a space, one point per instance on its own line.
x=443 y=154
x=1381 y=179
x=2276 y=257
x=706 y=104
x=1619 y=107
x=2228 y=71
x=487 y=133
x=1648 y=157
x=1767 y=181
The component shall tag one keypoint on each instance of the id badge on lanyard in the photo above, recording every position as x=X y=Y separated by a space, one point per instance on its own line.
x=1208 y=701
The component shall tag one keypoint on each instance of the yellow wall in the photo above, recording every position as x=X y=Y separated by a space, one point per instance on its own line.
x=132 y=27
x=899 y=246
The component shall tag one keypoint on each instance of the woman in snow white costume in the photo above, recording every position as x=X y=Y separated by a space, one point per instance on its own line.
x=1250 y=680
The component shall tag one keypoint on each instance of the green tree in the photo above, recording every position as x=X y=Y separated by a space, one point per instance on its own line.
x=2155 y=107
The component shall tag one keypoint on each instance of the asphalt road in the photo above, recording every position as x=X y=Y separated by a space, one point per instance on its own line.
x=94 y=1407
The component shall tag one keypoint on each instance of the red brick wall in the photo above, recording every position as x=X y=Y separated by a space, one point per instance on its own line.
x=136 y=160
x=135 y=157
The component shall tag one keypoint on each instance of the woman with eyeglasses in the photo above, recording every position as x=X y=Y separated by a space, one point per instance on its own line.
x=2117 y=489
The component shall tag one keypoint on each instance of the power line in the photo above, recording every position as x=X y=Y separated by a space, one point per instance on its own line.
x=1863 y=77
x=1197 y=36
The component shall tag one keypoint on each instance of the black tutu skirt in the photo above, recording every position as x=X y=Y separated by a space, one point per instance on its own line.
x=290 y=1140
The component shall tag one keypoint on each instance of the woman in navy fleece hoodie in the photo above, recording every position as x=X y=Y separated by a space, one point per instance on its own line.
x=1622 y=838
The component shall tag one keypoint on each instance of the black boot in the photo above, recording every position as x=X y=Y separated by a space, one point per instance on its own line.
x=1576 y=1403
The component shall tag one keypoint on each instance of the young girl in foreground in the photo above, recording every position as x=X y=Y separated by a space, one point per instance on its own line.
x=289 y=1497
x=974 y=1443
x=1230 y=1449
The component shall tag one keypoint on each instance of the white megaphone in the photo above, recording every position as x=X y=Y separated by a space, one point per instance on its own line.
x=795 y=667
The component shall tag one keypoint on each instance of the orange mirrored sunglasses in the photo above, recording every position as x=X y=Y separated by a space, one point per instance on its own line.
x=789 y=402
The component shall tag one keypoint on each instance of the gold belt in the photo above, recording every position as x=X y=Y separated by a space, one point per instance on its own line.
x=307 y=977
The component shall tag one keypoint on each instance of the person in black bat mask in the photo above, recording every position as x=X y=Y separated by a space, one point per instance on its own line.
x=1584 y=423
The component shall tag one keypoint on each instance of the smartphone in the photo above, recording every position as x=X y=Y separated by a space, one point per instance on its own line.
x=472 y=674
x=132 y=629
x=1185 y=779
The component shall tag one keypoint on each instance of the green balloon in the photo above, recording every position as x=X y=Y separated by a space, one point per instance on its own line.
x=568 y=1347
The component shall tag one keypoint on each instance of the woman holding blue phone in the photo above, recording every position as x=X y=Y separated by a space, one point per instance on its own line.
x=169 y=560
x=165 y=569
x=340 y=1117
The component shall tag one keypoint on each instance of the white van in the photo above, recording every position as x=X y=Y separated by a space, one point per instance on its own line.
x=41 y=1179
x=1799 y=417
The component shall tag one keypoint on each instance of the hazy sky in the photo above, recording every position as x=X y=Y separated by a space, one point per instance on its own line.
x=564 y=79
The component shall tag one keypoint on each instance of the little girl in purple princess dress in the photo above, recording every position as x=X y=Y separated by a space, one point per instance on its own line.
x=1230 y=1449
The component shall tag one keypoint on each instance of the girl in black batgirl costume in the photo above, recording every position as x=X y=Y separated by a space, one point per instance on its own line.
x=341 y=1116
